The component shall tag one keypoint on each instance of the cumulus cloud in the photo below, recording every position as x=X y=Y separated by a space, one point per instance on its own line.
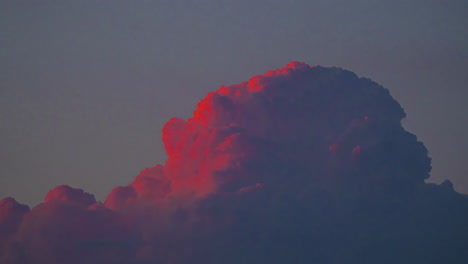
x=69 y=194
x=298 y=165
x=11 y=214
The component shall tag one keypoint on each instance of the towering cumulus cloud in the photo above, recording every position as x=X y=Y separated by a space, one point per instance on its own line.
x=298 y=165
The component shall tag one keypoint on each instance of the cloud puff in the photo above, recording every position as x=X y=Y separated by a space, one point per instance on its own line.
x=298 y=165
x=11 y=214
x=69 y=194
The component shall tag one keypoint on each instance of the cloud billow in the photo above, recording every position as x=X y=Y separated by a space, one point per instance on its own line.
x=298 y=165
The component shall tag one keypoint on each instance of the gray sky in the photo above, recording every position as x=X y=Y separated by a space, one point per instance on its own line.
x=86 y=86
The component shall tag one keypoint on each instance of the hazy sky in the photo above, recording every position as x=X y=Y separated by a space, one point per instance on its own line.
x=86 y=86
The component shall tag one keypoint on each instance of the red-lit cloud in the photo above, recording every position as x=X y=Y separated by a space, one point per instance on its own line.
x=298 y=165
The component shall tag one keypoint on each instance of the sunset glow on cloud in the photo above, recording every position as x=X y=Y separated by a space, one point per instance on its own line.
x=301 y=164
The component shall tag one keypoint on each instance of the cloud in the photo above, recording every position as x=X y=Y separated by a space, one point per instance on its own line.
x=11 y=214
x=298 y=165
x=69 y=194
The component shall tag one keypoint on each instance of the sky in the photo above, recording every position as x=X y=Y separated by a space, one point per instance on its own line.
x=222 y=132
x=87 y=86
